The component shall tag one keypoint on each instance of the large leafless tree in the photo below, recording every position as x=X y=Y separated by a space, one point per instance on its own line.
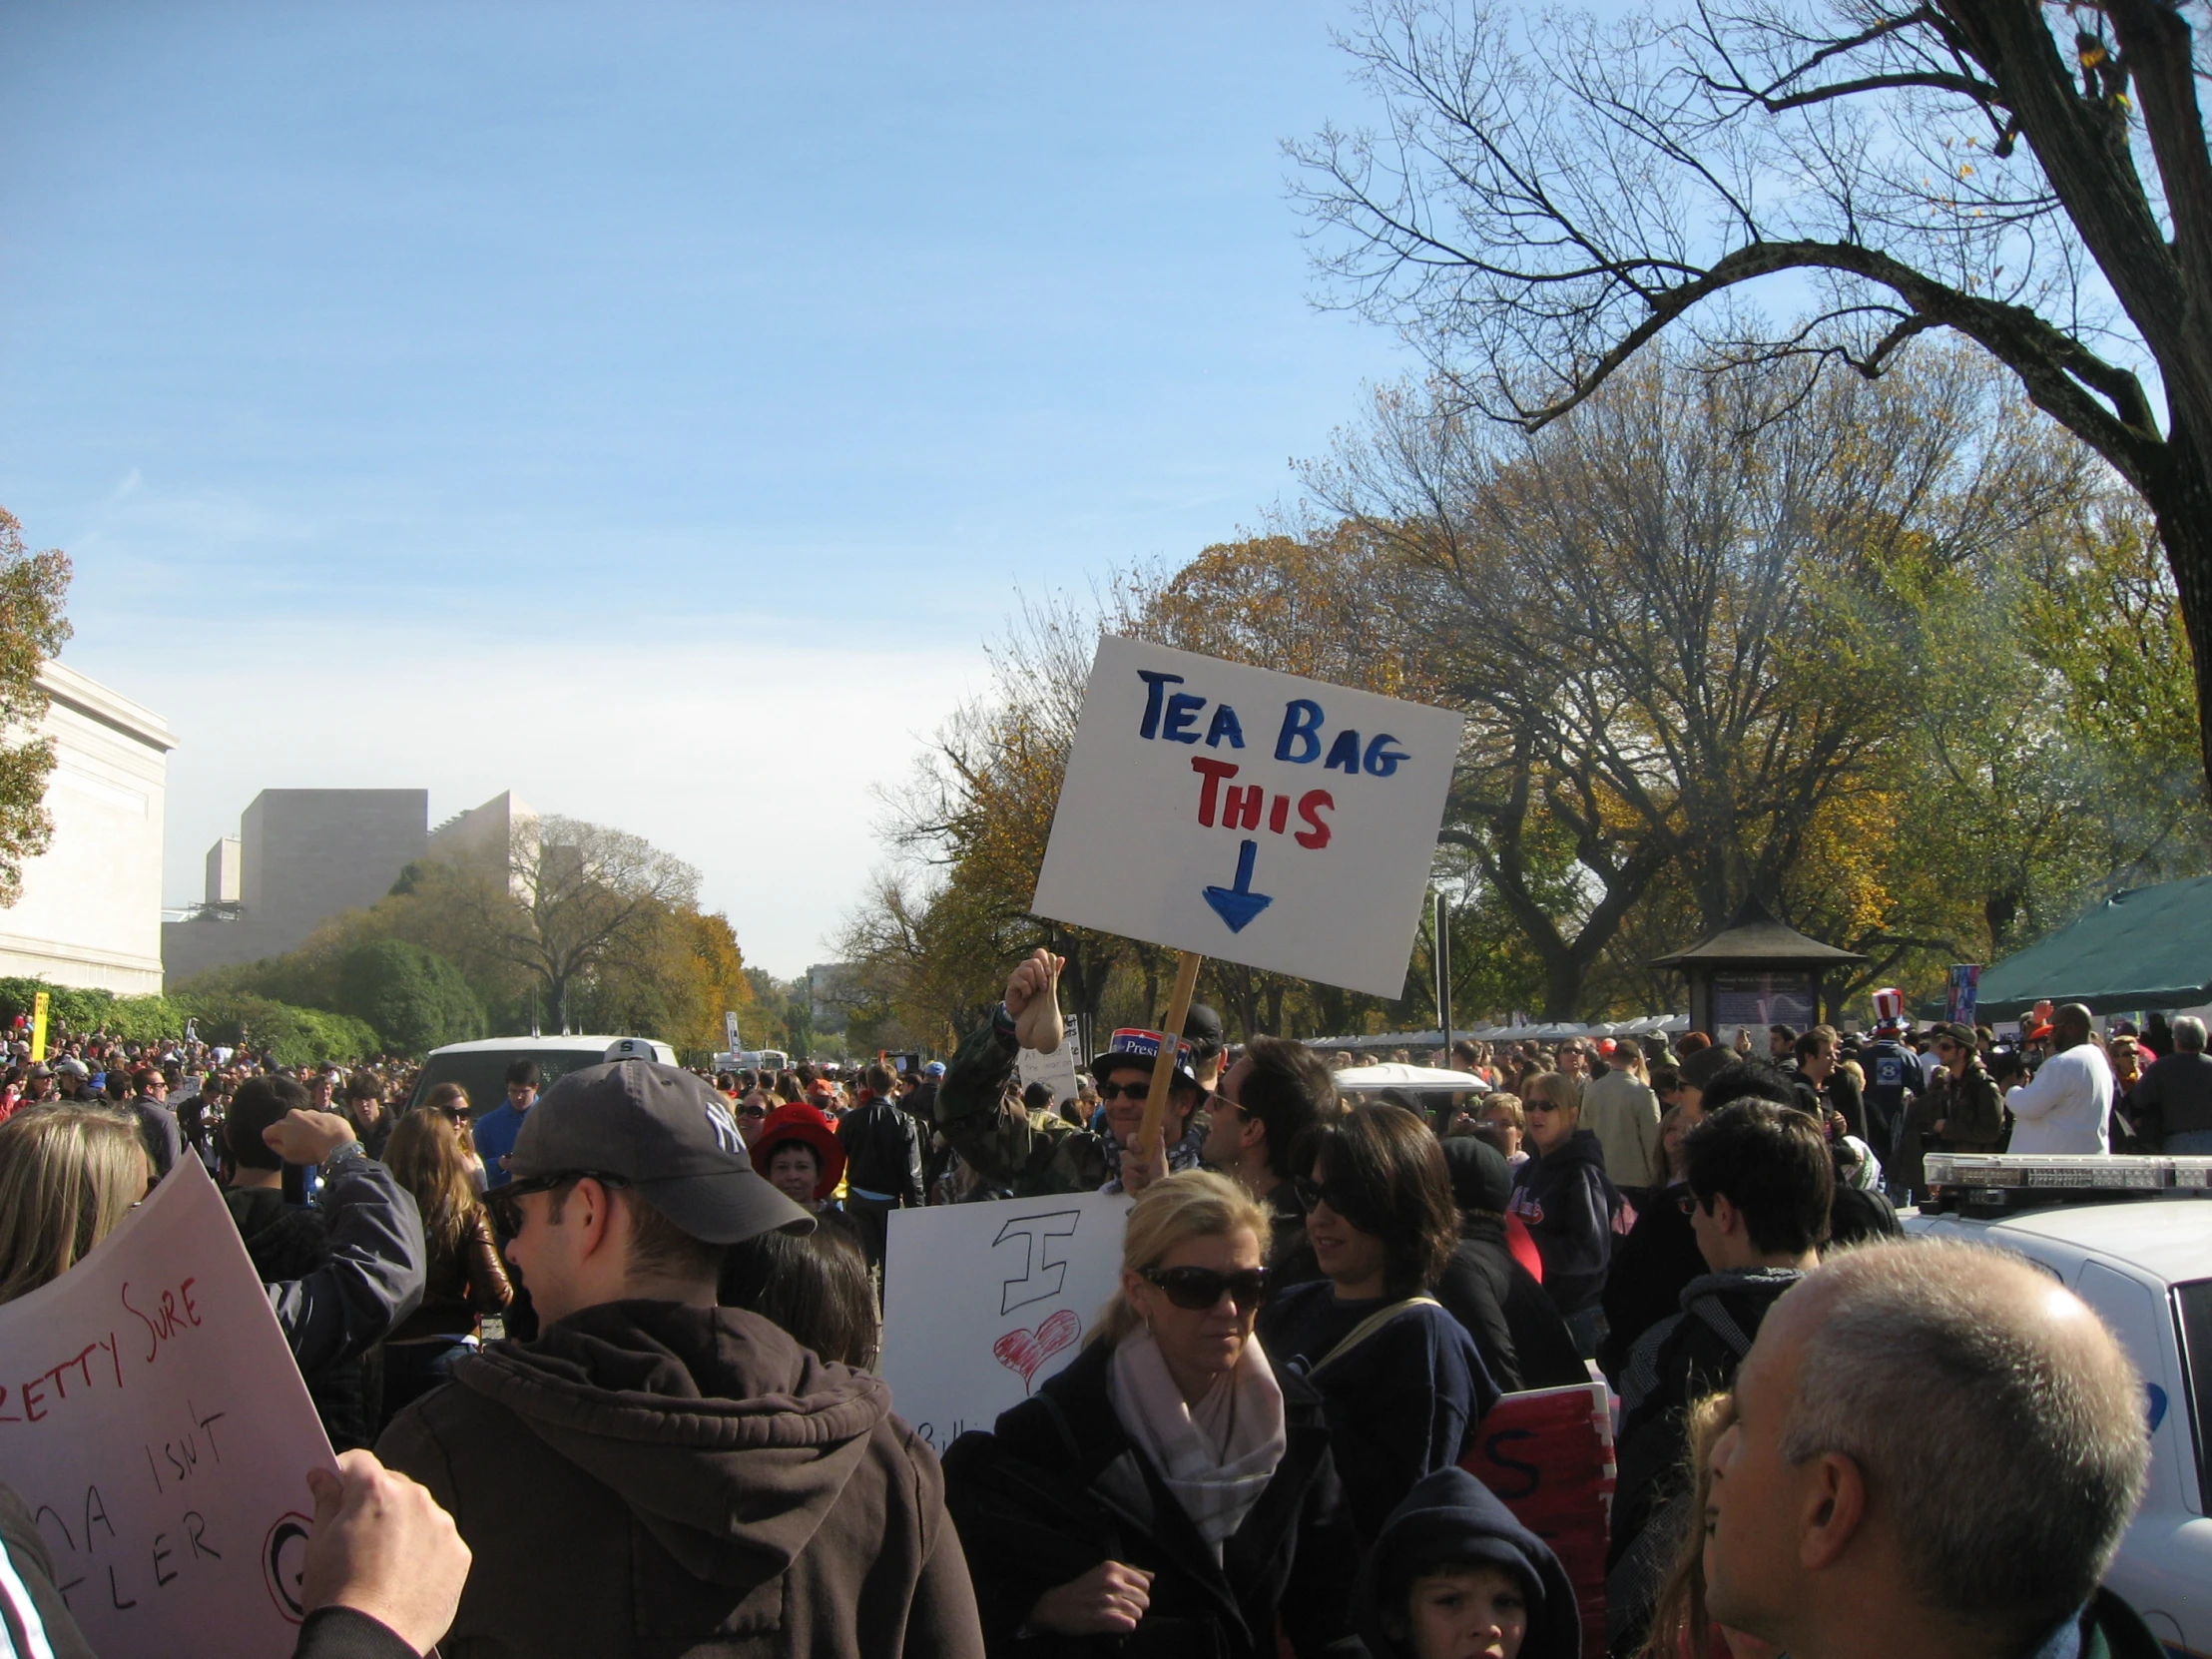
x=1818 y=178
x=1676 y=648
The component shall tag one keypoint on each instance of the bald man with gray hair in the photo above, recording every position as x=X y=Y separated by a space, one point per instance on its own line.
x=2172 y=1102
x=1935 y=1451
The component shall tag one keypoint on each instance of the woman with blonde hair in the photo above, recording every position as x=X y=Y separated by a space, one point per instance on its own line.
x=1166 y=1485
x=68 y=1175
x=463 y=1276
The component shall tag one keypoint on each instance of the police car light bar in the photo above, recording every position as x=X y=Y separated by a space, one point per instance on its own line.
x=2051 y=1172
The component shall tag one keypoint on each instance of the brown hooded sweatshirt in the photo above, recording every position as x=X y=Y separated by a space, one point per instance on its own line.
x=658 y=1481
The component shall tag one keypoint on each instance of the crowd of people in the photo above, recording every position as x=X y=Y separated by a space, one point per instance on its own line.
x=599 y=1356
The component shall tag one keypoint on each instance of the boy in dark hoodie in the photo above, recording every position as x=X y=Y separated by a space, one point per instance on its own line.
x=1453 y=1575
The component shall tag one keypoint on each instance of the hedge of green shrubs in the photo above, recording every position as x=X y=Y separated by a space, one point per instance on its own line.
x=297 y=1036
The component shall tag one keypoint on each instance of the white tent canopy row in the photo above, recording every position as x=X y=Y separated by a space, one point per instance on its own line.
x=1399 y=1076
x=1650 y=1025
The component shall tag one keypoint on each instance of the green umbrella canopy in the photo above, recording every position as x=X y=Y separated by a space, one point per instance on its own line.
x=2144 y=947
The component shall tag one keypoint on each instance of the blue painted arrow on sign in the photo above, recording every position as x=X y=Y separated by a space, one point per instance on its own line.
x=1238 y=905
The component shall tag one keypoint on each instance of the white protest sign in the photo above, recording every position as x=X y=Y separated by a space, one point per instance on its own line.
x=983 y=1301
x=153 y=1419
x=1056 y=1071
x=1253 y=816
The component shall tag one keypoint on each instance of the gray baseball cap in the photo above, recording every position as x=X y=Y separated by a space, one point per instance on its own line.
x=666 y=1133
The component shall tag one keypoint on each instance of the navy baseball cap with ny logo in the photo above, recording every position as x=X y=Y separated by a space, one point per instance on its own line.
x=669 y=1135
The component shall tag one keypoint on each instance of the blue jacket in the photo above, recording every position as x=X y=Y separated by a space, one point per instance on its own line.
x=1401 y=1403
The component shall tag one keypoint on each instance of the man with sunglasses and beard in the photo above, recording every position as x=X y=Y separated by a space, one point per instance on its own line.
x=1961 y=1110
x=1021 y=1155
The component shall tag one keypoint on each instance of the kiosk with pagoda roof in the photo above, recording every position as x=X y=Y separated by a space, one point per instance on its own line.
x=1757 y=971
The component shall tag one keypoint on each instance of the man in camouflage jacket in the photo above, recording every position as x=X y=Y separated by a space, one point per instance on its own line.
x=1019 y=1154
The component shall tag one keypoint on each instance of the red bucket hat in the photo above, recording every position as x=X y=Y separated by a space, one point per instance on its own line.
x=801 y=1122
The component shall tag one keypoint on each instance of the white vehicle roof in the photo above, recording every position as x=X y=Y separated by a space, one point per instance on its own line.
x=484 y=1045
x=2169 y=1238
x=490 y=1045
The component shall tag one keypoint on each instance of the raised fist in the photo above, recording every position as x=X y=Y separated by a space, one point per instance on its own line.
x=1034 y=999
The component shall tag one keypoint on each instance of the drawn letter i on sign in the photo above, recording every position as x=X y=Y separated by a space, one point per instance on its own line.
x=1043 y=1258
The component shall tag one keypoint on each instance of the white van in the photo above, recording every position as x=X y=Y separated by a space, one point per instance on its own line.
x=481 y=1067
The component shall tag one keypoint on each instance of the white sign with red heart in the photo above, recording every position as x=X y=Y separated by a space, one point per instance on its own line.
x=983 y=1301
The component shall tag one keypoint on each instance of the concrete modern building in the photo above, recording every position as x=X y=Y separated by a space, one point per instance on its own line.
x=484 y=837
x=224 y=863
x=303 y=855
x=90 y=908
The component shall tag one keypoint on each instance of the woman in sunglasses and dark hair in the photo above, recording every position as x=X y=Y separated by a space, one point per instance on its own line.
x=1402 y=1384
x=1166 y=1483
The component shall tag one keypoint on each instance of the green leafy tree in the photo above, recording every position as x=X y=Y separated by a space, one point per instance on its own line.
x=297 y=1036
x=32 y=630
x=81 y=1010
x=581 y=896
x=417 y=1001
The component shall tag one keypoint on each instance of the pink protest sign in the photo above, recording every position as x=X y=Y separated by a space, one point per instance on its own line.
x=1548 y=1456
x=153 y=1419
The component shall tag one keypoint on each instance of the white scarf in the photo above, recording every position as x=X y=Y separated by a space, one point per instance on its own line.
x=1216 y=1457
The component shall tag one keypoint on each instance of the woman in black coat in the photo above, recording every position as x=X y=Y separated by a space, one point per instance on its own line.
x=1166 y=1493
x=1524 y=1342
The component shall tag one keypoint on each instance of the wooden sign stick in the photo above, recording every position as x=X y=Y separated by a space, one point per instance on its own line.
x=1163 y=1066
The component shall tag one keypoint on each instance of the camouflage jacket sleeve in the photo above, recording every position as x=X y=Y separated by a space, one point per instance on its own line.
x=983 y=1121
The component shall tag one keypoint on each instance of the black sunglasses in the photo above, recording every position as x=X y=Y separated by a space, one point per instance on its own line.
x=505 y=1203
x=1129 y=1091
x=1686 y=1202
x=1311 y=1191
x=1196 y=1288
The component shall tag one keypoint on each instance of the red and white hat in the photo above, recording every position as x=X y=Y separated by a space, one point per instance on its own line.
x=1888 y=1006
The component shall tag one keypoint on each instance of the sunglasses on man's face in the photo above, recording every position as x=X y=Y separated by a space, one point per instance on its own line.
x=1125 y=1091
x=1195 y=1290
x=505 y=1203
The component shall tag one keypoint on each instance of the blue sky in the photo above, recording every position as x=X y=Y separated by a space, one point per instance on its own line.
x=647 y=408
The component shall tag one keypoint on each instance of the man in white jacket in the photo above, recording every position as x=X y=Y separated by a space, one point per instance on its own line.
x=2068 y=1105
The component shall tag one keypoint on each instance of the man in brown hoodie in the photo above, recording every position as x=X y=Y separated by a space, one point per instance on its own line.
x=654 y=1475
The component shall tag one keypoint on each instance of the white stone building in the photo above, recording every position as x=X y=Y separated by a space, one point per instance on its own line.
x=91 y=910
